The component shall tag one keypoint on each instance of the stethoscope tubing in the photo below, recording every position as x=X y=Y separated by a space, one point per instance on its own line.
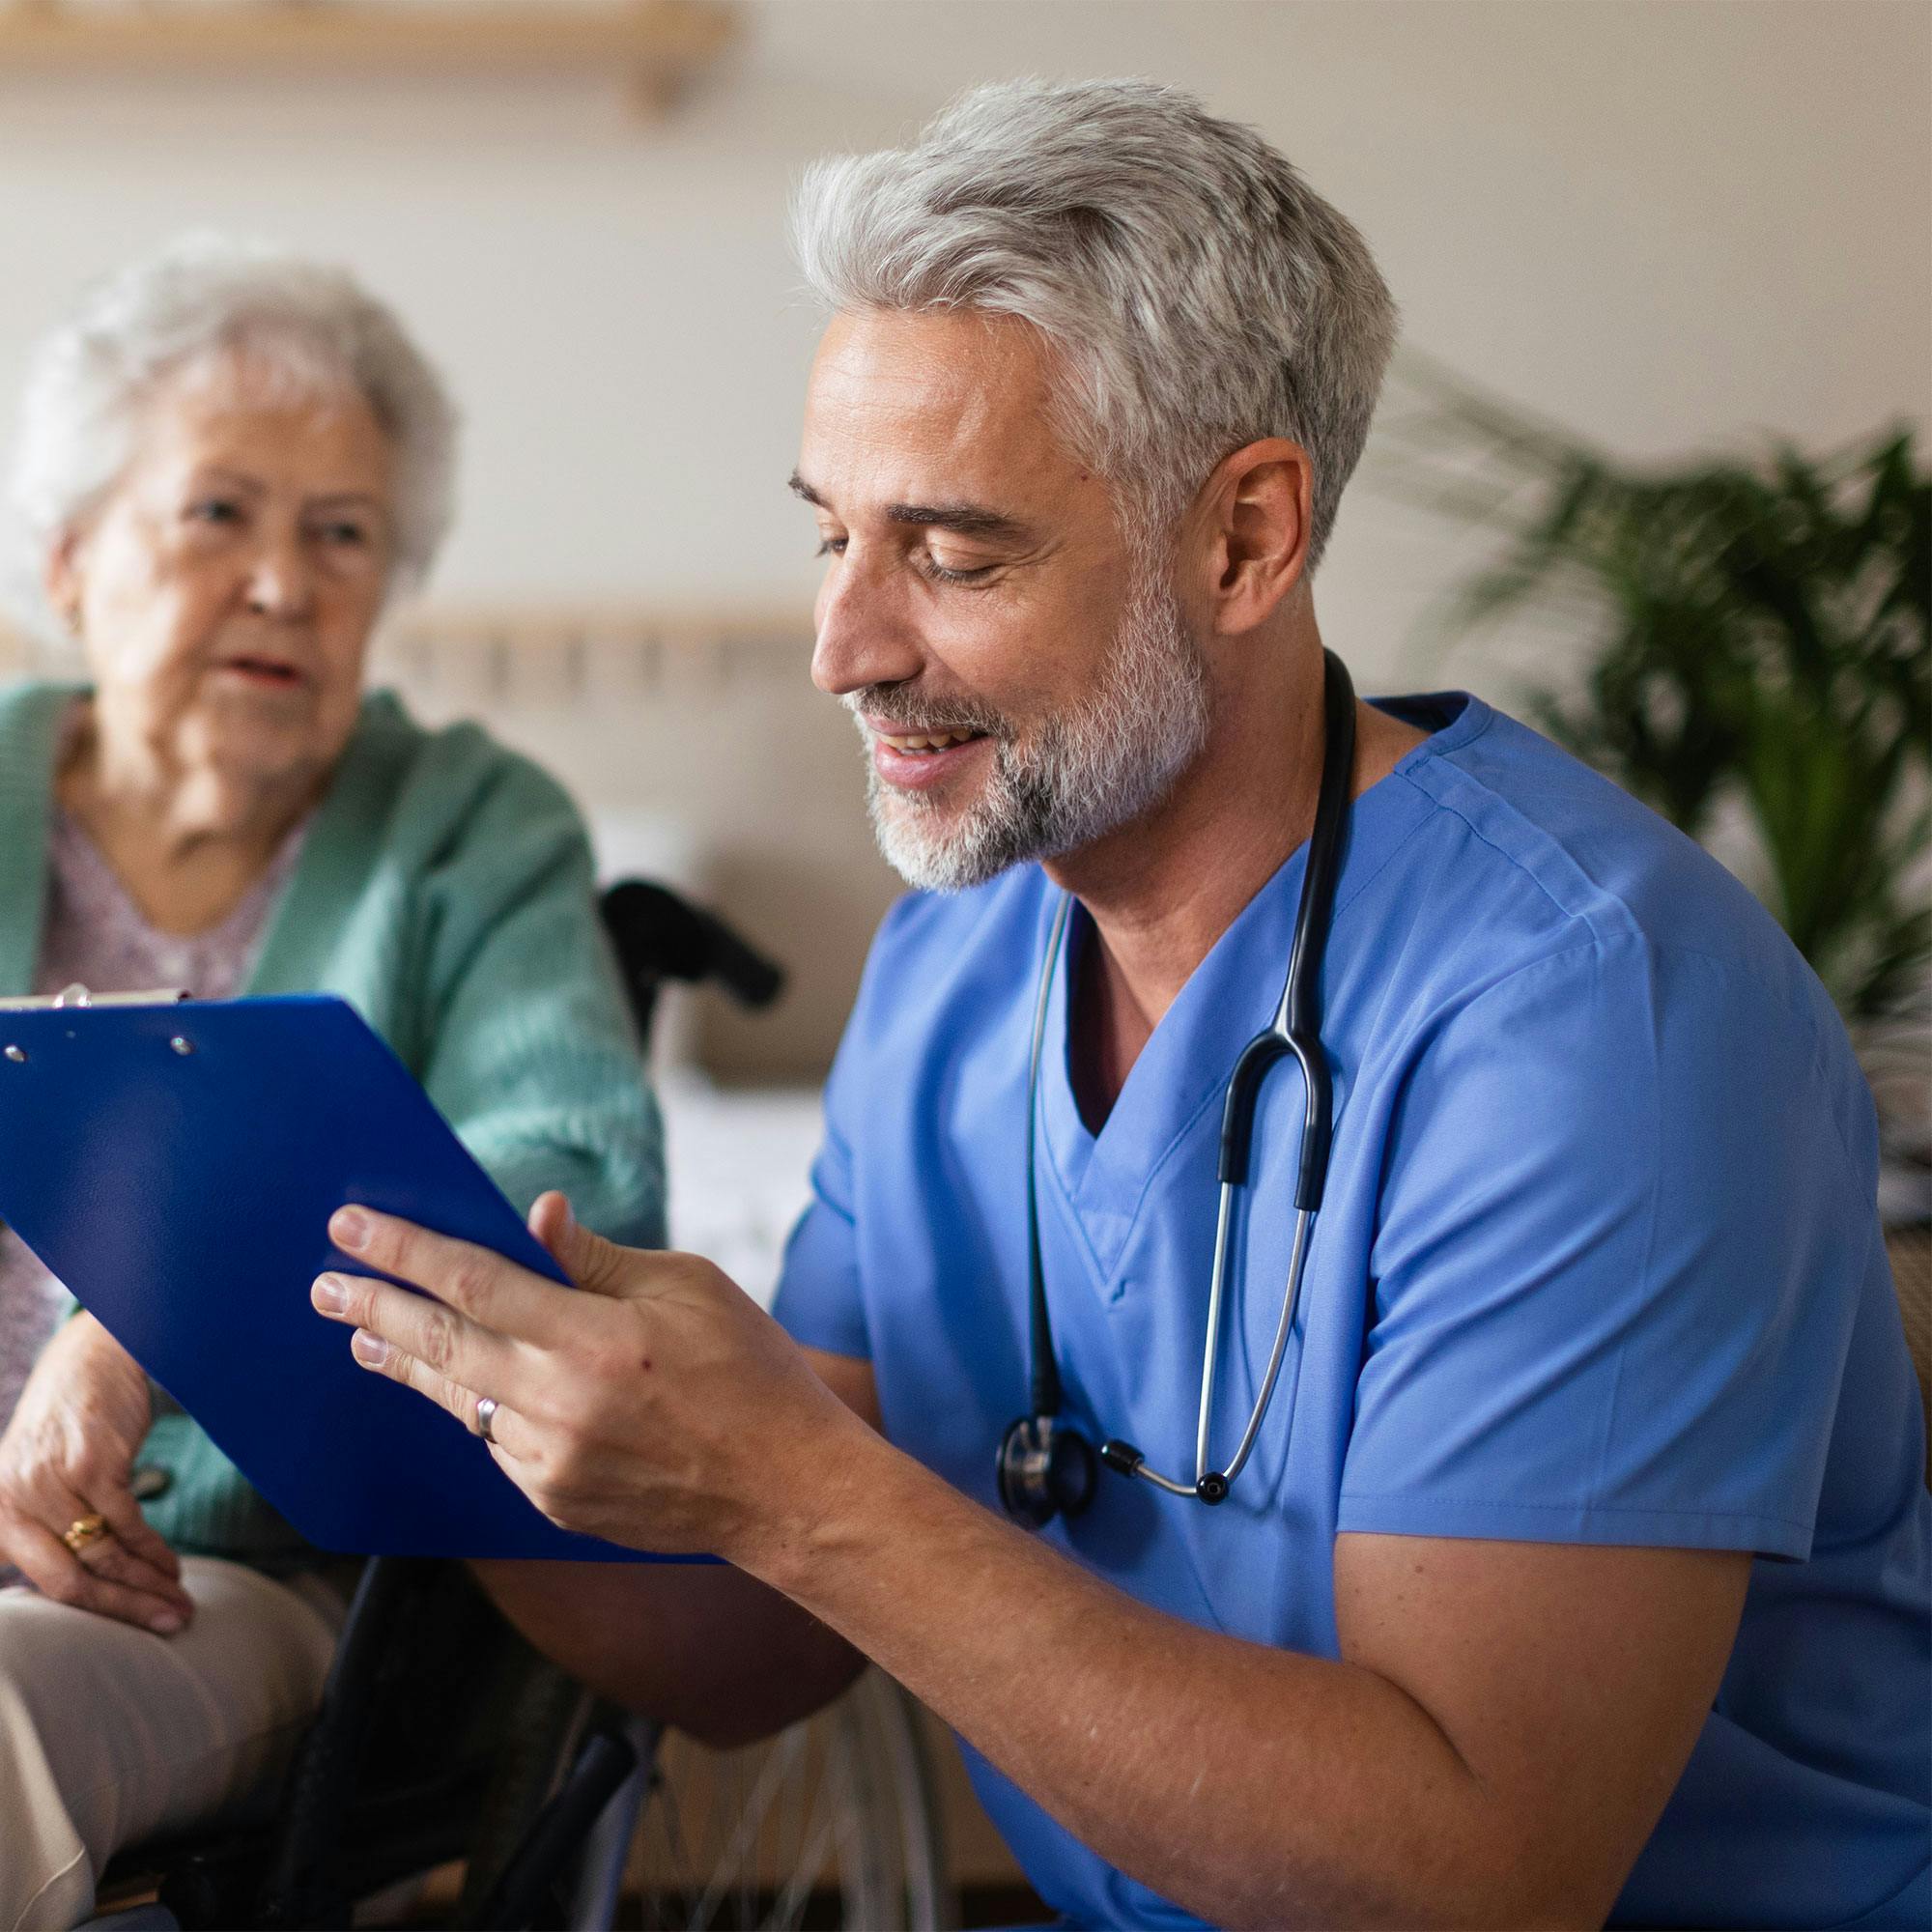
x=1304 y=1227
x=1293 y=1030
x=1043 y=1374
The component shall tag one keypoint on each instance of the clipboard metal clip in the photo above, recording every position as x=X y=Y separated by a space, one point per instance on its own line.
x=78 y=995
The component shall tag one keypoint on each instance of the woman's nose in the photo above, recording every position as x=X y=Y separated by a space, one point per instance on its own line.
x=280 y=581
x=864 y=635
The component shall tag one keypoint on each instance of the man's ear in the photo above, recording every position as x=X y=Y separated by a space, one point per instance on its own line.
x=1253 y=517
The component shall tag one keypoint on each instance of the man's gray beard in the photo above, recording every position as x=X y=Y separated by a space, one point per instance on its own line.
x=1087 y=773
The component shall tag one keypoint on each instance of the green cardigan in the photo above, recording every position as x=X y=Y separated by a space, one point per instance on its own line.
x=445 y=890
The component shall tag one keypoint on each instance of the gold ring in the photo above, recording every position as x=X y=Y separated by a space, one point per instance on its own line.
x=85 y=1530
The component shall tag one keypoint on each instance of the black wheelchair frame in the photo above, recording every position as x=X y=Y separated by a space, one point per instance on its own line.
x=440 y=1733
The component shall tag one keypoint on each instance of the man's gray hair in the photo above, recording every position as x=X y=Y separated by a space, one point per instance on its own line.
x=199 y=299
x=1197 y=293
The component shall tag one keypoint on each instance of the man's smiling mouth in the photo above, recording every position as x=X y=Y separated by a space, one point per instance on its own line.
x=924 y=741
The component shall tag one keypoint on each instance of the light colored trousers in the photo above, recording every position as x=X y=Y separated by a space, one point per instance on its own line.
x=110 y=1735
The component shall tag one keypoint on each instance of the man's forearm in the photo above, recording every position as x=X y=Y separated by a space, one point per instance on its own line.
x=1251 y=1785
x=702 y=1647
x=1505 y=1725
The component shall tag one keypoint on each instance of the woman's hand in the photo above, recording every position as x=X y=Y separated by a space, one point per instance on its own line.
x=68 y=1453
x=656 y=1407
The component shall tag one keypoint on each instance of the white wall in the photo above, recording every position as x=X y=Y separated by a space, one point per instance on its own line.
x=1669 y=222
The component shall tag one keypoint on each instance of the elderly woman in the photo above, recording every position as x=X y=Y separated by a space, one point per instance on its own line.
x=229 y=461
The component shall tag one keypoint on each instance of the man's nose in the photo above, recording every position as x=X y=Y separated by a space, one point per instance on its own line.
x=865 y=635
x=281 y=582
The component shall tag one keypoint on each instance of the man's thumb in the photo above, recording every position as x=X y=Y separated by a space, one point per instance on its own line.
x=588 y=1260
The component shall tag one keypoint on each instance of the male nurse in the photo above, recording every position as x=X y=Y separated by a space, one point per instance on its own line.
x=1578 y=1569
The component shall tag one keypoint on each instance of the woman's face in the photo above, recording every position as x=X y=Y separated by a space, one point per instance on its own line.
x=225 y=590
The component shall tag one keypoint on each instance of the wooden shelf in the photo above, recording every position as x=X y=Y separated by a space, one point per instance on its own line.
x=658 y=46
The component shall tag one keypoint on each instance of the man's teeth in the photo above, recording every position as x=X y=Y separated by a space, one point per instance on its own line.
x=934 y=741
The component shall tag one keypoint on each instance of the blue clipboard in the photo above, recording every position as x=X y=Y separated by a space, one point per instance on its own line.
x=176 y=1166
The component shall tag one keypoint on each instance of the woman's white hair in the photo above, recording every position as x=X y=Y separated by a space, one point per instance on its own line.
x=1197 y=293
x=202 y=300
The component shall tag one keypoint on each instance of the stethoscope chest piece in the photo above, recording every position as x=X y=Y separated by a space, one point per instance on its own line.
x=1047 y=1468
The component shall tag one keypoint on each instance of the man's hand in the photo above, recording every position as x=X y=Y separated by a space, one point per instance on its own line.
x=1493 y=1744
x=68 y=1453
x=657 y=1406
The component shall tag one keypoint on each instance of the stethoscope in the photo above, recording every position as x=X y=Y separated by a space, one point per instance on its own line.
x=1047 y=1466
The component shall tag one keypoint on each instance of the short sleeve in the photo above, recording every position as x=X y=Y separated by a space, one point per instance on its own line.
x=818 y=1301
x=821 y=1299
x=1619 y=1247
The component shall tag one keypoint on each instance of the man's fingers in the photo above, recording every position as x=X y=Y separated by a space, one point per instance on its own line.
x=496 y=1293
x=508 y=1430
x=375 y=1352
x=455 y=1348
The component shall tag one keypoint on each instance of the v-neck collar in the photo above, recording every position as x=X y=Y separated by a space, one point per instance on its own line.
x=1182 y=1070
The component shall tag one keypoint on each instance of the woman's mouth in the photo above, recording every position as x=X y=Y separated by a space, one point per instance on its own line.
x=272 y=673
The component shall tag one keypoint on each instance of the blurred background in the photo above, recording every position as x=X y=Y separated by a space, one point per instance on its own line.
x=1645 y=473
x=1672 y=227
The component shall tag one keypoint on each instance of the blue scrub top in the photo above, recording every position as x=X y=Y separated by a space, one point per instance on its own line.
x=1598 y=1263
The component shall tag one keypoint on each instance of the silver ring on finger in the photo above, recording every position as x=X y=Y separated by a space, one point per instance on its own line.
x=486 y=1416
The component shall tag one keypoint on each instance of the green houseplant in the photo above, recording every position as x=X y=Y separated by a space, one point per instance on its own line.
x=1755 y=664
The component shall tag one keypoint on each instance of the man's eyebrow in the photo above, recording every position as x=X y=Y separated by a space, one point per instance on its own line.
x=966 y=520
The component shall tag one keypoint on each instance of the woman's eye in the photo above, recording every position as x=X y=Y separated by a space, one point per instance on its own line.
x=831 y=547
x=215 y=510
x=352 y=534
